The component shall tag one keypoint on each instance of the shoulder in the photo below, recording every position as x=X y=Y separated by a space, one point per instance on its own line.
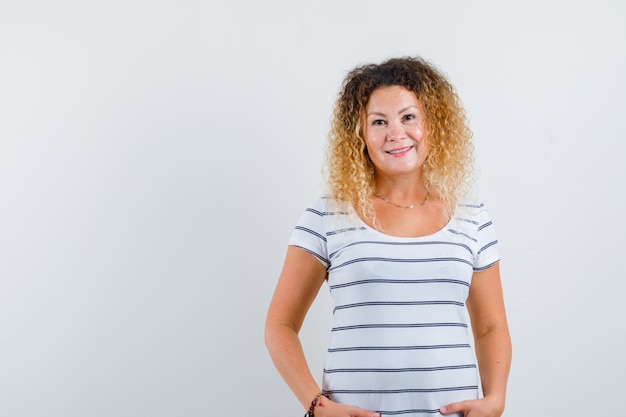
x=329 y=217
x=318 y=212
x=473 y=221
x=326 y=206
x=473 y=212
x=320 y=204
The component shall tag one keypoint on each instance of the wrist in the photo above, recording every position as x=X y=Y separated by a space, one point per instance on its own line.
x=497 y=401
x=316 y=400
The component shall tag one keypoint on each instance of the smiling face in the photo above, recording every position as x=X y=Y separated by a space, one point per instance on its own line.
x=395 y=132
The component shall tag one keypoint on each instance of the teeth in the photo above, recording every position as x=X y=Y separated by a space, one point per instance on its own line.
x=399 y=151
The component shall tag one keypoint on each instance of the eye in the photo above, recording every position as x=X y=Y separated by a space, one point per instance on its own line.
x=378 y=122
x=408 y=117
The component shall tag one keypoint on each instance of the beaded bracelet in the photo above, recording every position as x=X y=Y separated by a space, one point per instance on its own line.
x=311 y=411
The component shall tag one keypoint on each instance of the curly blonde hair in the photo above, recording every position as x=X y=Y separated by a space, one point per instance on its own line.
x=449 y=166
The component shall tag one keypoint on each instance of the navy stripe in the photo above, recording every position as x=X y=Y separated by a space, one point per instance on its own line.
x=312 y=232
x=312 y=210
x=402 y=391
x=384 y=348
x=495 y=242
x=486 y=267
x=397 y=326
x=335 y=213
x=481 y=205
x=398 y=303
x=399 y=281
x=347 y=229
x=375 y=242
x=474 y=222
x=462 y=234
x=489 y=223
x=418 y=411
x=393 y=370
x=320 y=257
x=405 y=260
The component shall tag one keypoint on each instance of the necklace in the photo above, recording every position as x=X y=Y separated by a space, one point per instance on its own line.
x=400 y=205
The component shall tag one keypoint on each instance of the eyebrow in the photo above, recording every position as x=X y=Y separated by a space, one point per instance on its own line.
x=375 y=113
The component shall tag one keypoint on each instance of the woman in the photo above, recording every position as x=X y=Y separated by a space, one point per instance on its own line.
x=405 y=256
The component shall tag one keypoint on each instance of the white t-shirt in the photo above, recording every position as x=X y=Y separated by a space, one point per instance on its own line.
x=400 y=343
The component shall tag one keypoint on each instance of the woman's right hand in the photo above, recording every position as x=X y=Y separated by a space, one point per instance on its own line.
x=329 y=408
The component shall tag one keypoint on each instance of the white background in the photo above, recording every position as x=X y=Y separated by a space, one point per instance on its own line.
x=154 y=157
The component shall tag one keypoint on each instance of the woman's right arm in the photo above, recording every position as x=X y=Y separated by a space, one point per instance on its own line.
x=298 y=285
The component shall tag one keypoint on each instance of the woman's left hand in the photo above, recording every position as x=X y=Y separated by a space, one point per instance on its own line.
x=483 y=407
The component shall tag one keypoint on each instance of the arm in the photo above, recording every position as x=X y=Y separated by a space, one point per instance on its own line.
x=485 y=304
x=491 y=332
x=298 y=285
x=299 y=282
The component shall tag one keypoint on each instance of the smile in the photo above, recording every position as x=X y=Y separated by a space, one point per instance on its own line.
x=399 y=151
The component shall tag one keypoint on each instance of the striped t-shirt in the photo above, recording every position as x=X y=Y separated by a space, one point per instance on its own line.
x=400 y=343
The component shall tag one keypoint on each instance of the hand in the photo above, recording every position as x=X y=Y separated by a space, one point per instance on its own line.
x=328 y=408
x=483 y=407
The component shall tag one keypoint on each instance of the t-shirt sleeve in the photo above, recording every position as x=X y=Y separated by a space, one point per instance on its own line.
x=487 y=253
x=310 y=232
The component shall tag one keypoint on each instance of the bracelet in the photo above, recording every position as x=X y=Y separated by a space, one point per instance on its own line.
x=311 y=411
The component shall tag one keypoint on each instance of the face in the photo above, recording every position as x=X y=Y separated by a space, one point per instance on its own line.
x=394 y=131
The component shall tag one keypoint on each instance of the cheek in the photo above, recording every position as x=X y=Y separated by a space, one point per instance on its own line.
x=377 y=137
x=426 y=148
x=423 y=138
x=370 y=140
x=420 y=133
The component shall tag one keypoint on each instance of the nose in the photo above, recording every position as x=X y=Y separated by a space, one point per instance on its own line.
x=395 y=132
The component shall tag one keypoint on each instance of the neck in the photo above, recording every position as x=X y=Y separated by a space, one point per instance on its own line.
x=404 y=206
x=404 y=189
x=404 y=198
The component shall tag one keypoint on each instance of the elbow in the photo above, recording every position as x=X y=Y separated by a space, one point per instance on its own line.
x=272 y=334
x=278 y=335
x=269 y=334
x=500 y=333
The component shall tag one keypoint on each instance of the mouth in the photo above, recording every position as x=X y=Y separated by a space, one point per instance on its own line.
x=400 y=151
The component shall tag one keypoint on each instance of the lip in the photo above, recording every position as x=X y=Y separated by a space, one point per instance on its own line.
x=399 y=151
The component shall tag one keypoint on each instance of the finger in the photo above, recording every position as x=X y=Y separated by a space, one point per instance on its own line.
x=454 y=408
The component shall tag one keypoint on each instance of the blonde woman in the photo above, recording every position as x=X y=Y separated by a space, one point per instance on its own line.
x=406 y=256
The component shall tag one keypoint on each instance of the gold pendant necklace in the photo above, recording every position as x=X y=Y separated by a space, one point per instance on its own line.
x=400 y=205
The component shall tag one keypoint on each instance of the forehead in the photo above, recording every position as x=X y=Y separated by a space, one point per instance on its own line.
x=390 y=96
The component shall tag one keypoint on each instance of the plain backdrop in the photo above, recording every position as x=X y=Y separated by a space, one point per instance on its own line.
x=155 y=155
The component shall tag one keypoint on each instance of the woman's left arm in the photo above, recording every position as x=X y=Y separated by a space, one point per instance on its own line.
x=485 y=304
